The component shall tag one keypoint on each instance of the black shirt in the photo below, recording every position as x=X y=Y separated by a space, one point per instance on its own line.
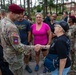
x=1 y=56
x=1 y=53
x=4 y=66
x=61 y=47
x=66 y=18
x=47 y=20
x=52 y=25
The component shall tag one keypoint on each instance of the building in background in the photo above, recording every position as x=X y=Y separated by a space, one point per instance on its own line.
x=70 y=6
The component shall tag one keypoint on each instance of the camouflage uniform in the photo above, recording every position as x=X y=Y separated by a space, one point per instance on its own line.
x=71 y=34
x=0 y=29
x=75 y=53
x=13 y=49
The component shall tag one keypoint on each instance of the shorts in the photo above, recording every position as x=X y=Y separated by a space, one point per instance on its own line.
x=44 y=49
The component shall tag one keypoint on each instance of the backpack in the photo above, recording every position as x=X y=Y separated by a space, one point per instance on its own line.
x=51 y=62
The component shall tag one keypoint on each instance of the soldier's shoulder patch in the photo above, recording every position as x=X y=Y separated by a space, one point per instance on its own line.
x=15 y=38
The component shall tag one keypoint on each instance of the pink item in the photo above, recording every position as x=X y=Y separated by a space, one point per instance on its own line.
x=40 y=36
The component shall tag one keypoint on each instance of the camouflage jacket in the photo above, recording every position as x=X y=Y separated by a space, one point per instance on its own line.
x=72 y=33
x=13 y=49
x=0 y=29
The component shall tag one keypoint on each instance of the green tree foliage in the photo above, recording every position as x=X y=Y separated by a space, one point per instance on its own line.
x=39 y=8
x=51 y=3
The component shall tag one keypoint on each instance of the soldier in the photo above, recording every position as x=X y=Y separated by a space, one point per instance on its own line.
x=75 y=49
x=13 y=48
x=0 y=29
x=2 y=15
x=71 y=34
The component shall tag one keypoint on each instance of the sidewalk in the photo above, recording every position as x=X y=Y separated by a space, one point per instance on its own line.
x=40 y=72
x=32 y=66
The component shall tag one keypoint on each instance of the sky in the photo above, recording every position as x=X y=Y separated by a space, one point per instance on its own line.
x=33 y=1
x=36 y=1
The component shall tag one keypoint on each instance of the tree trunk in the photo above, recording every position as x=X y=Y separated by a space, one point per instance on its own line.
x=20 y=3
x=10 y=1
x=44 y=10
x=31 y=4
x=63 y=6
x=24 y=4
x=28 y=8
x=56 y=5
x=71 y=5
x=46 y=6
x=1 y=3
x=50 y=8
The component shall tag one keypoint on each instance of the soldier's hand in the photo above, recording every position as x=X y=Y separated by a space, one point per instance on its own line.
x=29 y=52
x=37 y=47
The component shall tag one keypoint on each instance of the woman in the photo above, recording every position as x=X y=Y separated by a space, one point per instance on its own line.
x=42 y=35
x=60 y=48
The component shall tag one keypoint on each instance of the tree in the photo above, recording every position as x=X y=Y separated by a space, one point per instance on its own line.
x=62 y=3
x=45 y=7
x=56 y=6
x=20 y=3
x=38 y=8
x=51 y=4
x=24 y=4
x=1 y=3
x=28 y=8
x=10 y=1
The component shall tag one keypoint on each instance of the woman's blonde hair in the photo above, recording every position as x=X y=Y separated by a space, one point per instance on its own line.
x=38 y=13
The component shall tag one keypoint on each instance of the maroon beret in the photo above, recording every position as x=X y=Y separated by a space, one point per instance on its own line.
x=72 y=17
x=15 y=9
